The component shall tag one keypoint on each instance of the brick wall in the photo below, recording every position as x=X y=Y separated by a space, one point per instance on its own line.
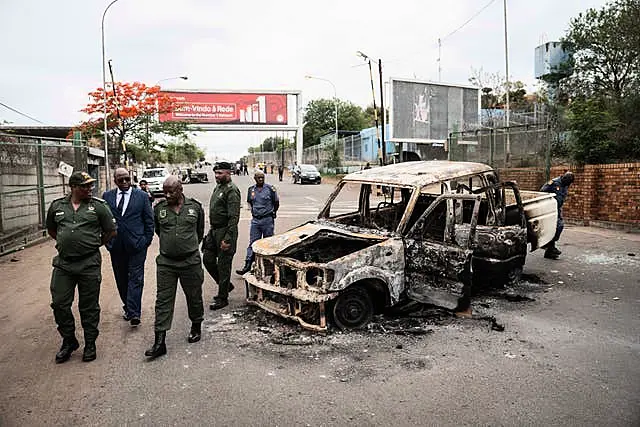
x=608 y=193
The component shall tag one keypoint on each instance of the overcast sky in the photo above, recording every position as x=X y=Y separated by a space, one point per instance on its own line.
x=51 y=50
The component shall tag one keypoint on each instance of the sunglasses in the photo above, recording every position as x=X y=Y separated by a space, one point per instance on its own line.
x=124 y=179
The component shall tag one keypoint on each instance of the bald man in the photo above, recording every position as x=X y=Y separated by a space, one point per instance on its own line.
x=134 y=218
x=179 y=223
x=264 y=202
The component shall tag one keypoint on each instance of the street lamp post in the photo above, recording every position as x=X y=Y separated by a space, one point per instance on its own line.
x=104 y=94
x=335 y=103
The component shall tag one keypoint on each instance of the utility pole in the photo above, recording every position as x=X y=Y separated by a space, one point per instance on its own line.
x=439 y=59
x=382 y=113
x=115 y=97
x=506 y=61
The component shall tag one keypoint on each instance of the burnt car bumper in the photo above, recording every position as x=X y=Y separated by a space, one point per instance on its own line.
x=276 y=289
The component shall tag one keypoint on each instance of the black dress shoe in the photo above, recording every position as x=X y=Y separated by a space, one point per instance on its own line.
x=219 y=303
x=89 y=352
x=245 y=269
x=135 y=321
x=551 y=255
x=196 y=333
x=69 y=345
x=159 y=347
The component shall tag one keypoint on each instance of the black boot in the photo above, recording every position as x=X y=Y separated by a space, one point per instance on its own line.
x=196 y=332
x=89 y=351
x=245 y=269
x=159 y=347
x=69 y=345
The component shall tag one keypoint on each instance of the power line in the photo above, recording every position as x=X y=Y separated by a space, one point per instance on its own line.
x=21 y=113
x=468 y=20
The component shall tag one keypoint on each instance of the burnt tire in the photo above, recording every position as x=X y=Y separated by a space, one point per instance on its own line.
x=353 y=308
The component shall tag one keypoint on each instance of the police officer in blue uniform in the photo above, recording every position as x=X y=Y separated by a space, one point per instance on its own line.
x=264 y=202
x=560 y=188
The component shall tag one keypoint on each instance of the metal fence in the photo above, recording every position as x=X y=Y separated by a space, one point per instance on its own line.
x=29 y=182
x=515 y=146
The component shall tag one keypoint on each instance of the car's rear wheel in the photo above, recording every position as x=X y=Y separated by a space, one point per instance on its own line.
x=353 y=308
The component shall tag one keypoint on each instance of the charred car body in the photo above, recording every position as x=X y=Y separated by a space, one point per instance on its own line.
x=433 y=231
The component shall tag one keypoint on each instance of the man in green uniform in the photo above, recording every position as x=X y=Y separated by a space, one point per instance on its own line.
x=220 y=244
x=80 y=224
x=179 y=224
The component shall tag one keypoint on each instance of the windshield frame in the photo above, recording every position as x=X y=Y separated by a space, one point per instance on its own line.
x=326 y=209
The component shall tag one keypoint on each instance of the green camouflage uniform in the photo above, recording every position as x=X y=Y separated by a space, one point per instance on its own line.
x=179 y=259
x=224 y=214
x=78 y=263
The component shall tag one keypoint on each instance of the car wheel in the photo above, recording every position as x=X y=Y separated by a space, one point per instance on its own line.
x=353 y=308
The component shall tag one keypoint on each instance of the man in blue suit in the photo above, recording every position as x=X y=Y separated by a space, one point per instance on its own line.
x=132 y=210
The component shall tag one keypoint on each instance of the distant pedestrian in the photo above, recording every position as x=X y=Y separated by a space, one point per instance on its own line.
x=560 y=188
x=144 y=186
x=245 y=169
x=220 y=243
x=80 y=224
x=264 y=203
x=132 y=210
x=271 y=168
x=179 y=224
x=280 y=172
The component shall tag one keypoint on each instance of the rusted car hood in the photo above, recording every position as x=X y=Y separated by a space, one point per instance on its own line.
x=276 y=244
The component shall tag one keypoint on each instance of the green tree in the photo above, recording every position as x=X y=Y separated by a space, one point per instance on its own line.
x=272 y=144
x=592 y=125
x=604 y=111
x=320 y=119
x=371 y=115
x=182 y=152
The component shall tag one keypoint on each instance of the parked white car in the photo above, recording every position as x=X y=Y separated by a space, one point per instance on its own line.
x=155 y=178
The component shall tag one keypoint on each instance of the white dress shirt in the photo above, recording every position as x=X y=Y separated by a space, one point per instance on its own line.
x=127 y=196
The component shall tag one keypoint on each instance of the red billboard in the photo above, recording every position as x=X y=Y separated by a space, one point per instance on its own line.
x=228 y=108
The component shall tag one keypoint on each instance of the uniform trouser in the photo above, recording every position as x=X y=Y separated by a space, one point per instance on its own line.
x=128 y=270
x=559 y=228
x=260 y=228
x=191 y=278
x=218 y=262
x=63 y=285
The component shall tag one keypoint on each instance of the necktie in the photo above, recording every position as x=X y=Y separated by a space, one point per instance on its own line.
x=121 y=202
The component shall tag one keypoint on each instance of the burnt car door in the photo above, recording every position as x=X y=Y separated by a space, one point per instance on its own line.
x=439 y=252
x=501 y=235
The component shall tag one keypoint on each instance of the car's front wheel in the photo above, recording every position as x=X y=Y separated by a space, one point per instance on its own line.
x=353 y=308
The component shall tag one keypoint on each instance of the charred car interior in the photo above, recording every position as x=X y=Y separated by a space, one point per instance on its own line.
x=436 y=232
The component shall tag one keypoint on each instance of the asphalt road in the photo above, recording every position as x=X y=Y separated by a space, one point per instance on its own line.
x=569 y=353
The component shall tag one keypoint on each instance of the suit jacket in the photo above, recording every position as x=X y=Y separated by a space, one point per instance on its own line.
x=135 y=227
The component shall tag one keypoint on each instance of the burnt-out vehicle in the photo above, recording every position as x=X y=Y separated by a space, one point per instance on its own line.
x=434 y=231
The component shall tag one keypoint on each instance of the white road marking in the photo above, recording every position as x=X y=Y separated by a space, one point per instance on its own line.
x=311 y=198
